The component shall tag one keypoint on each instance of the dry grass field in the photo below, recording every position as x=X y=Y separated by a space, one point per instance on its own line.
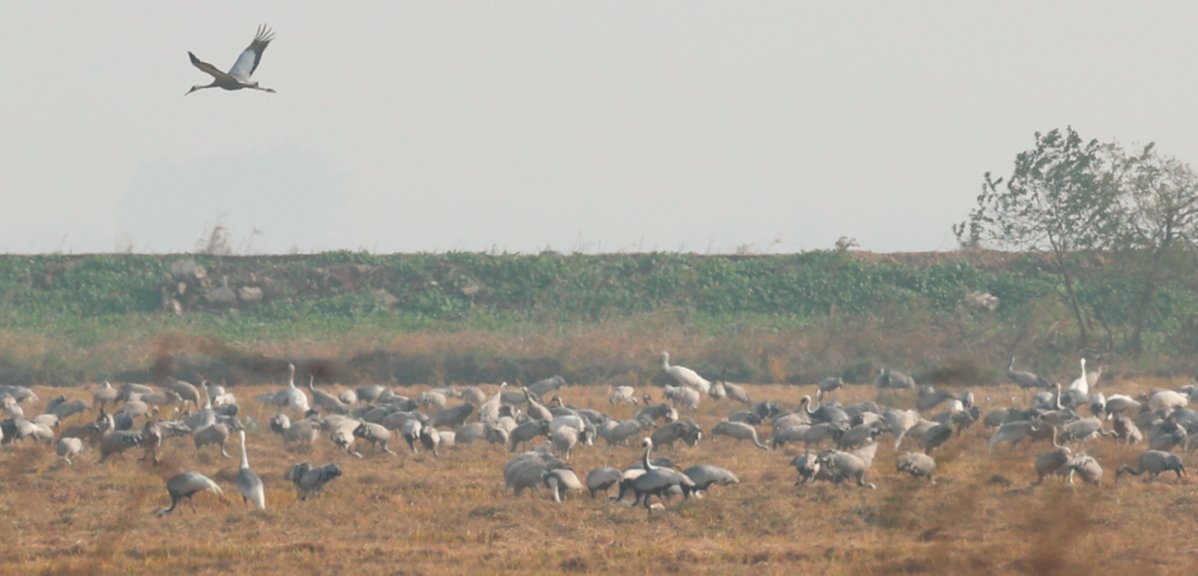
x=414 y=514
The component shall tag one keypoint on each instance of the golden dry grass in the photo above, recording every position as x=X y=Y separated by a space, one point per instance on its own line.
x=418 y=515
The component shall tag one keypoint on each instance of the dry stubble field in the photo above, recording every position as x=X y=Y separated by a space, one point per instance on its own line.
x=415 y=514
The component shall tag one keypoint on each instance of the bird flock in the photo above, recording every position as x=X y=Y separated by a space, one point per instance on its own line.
x=839 y=442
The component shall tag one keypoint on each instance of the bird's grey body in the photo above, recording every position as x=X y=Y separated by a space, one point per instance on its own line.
x=1154 y=462
x=658 y=481
x=310 y=480
x=684 y=430
x=602 y=479
x=739 y=431
x=68 y=447
x=843 y=466
x=918 y=465
x=704 y=475
x=561 y=481
x=1086 y=467
x=186 y=485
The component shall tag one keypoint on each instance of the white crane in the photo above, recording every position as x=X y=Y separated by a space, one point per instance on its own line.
x=1082 y=384
x=238 y=76
x=291 y=396
x=685 y=376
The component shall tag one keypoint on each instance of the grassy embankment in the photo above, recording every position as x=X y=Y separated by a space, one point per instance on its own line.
x=473 y=318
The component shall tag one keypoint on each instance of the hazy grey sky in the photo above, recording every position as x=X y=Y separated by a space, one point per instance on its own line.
x=597 y=126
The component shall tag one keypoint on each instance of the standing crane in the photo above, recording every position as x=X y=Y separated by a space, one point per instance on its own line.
x=238 y=76
x=684 y=376
x=248 y=481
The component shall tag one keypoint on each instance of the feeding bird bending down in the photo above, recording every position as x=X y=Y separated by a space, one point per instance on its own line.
x=238 y=76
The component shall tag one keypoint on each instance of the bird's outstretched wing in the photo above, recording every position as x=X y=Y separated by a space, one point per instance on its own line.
x=247 y=63
x=208 y=68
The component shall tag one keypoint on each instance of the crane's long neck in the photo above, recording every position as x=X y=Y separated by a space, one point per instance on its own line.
x=807 y=405
x=665 y=361
x=1059 y=407
x=245 y=457
x=1083 y=368
x=291 y=378
x=201 y=87
x=645 y=461
x=1011 y=366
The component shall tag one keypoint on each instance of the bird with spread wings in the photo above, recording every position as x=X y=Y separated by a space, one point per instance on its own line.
x=238 y=76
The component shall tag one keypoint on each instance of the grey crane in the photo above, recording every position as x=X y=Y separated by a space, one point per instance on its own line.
x=547 y=385
x=117 y=442
x=893 y=379
x=844 y=465
x=1154 y=462
x=686 y=430
x=1126 y=431
x=328 y=403
x=830 y=384
x=1026 y=380
x=623 y=395
x=186 y=390
x=238 y=76
x=618 y=432
x=663 y=412
x=602 y=479
x=1084 y=430
x=452 y=417
x=68 y=447
x=918 y=465
x=937 y=435
x=309 y=480
x=739 y=431
x=1122 y=404
x=705 y=475
x=561 y=481
x=736 y=392
x=67 y=408
x=430 y=438
x=658 y=481
x=807 y=464
x=525 y=432
x=526 y=470
x=1085 y=466
x=1013 y=432
x=248 y=482
x=186 y=485
x=377 y=434
x=1053 y=461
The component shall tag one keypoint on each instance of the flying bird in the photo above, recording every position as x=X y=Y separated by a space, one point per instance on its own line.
x=238 y=76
